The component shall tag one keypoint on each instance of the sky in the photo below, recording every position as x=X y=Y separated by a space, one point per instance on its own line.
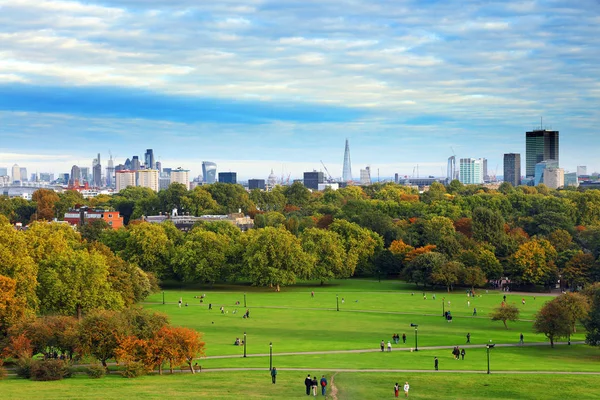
x=256 y=85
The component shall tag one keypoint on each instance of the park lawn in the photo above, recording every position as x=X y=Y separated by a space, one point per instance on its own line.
x=293 y=330
x=580 y=358
x=435 y=386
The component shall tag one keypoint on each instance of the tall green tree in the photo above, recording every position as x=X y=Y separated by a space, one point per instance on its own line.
x=202 y=258
x=328 y=252
x=553 y=321
x=149 y=247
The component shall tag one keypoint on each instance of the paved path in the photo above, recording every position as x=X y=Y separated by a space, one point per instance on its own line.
x=415 y=371
x=377 y=350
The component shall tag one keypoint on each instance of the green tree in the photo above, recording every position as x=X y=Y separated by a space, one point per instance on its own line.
x=533 y=263
x=92 y=230
x=173 y=198
x=473 y=277
x=361 y=245
x=421 y=268
x=447 y=274
x=296 y=194
x=149 y=247
x=488 y=225
x=578 y=269
x=67 y=200
x=553 y=321
x=576 y=308
x=506 y=312
x=231 y=198
x=45 y=199
x=199 y=201
x=592 y=321
x=328 y=252
x=202 y=258
x=99 y=334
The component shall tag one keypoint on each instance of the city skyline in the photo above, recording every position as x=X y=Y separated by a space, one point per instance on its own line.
x=259 y=85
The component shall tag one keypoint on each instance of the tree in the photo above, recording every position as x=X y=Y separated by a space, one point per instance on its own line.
x=99 y=334
x=577 y=270
x=230 y=197
x=149 y=247
x=202 y=257
x=553 y=320
x=360 y=243
x=67 y=200
x=534 y=263
x=296 y=194
x=506 y=312
x=12 y=309
x=92 y=229
x=328 y=253
x=447 y=274
x=199 y=201
x=45 y=200
x=274 y=257
x=592 y=321
x=576 y=308
x=421 y=268
x=473 y=277
x=183 y=345
x=488 y=225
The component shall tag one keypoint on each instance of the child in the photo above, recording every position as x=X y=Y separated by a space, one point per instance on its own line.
x=396 y=389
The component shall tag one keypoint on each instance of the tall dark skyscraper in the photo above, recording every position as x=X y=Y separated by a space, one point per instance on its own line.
x=228 y=177
x=135 y=163
x=347 y=171
x=97 y=172
x=512 y=169
x=540 y=145
x=149 y=159
x=75 y=175
x=312 y=179
x=209 y=171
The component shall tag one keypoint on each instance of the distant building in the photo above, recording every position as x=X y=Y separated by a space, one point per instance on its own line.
x=110 y=173
x=182 y=176
x=85 y=174
x=23 y=172
x=187 y=222
x=84 y=215
x=512 y=168
x=420 y=183
x=571 y=179
x=256 y=184
x=540 y=168
x=471 y=171
x=123 y=179
x=164 y=182
x=330 y=185
x=127 y=164
x=209 y=172
x=396 y=177
x=149 y=159
x=46 y=176
x=486 y=176
x=540 y=145
x=75 y=176
x=16 y=173
x=347 y=168
x=581 y=170
x=228 y=177
x=554 y=178
x=148 y=178
x=135 y=163
x=97 y=172
x=271 y=181
x=159 y=167
x=3 y=171
x=312 y=179
x=365 y=176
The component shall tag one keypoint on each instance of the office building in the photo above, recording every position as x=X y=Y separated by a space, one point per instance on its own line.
x=75 y=179
x=571 y=179
x=540 y=145
x=540 y=167
x=365 y=176
x=84 y=215
x=554 y=178
x=182 y=176
x=16 y=173
x=149 y=159
x=512 y=168
x=312 y=179
x=347 y=169
x=23 y=172
x=3 y=171
x=471 y=171
x=228 y=177
x=451 y=169
x=63 y=178
x=85 y=174
x=127 y=164
x=209 y=171
x=97 y=172
x=166 y=172
x=46 y=177
x=159 y=167
x=256 y=184
x=164 y=182
x=148 y=178
x=110 y=173
x=581 y=170
x=123 y=179
x=396 y=178
x=135 y=163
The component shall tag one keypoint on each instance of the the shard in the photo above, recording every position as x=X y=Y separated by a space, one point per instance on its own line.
x=347 y=171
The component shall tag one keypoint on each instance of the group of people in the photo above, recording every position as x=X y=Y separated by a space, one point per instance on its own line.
x=457 y=353
x=382 y=345
x=396 y=338
x=397 y=389
x=238 y=342
x=311 y=384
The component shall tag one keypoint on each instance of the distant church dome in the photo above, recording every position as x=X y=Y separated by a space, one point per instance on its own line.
x=272 y=179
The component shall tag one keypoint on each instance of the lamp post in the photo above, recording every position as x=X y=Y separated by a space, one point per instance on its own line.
x=488 y=347
x=337 y=302
x=163 y=297
x=244 y=299
x=245 y=341
x=270 y=356
x=416 y=337
x=443 y=308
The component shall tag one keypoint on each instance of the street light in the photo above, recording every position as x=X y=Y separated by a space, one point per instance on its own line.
x=245 y=341
x=244 y=299
x=416 y=336
x=488 y=347
x=163 y=297
x=443 y=308
x=337 y=301
x=270 y=356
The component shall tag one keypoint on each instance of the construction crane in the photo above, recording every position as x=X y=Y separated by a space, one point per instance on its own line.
x=326 y=170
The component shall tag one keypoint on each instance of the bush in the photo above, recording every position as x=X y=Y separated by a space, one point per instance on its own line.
x=95 y=371
x=133 y=370
x=3 y=372
x=24 y=367
x=49 y=370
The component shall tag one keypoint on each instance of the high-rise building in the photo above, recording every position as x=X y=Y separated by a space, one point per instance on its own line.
x=554 y=178
x=85 y=174
x=159 y=167
x=486 y=177
x=209 y=171
x=512 y=168
x=123 y=179
x=127 y=164
x=451 y=169
x=312 y=179
x=581 y=170
x=97 y=172
x=135 y=163
x=396 y=178
x=63 y=178
x=471 y=171
x=540 y=145
x=149 y=159
x=182 y=176
x=16 y=173
x=347 y=170
x=75 y=176
x=365 y=176
x=256 y=184
x=540 y=168
x=228 y=177
x=571 y=179
x=110 y=173
x=23 y=172
x=148 y=178
x=3 y=171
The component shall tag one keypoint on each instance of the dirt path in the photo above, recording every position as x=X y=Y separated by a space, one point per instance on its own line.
x=334 y=389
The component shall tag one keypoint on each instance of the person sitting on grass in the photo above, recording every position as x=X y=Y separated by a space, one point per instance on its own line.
x=237 y=342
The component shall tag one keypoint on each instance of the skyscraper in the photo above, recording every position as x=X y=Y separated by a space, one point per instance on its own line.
x=16 y=173
x=581 y=170
x=312 y=179
x=149 y=159
x=512 y=169
x=97 y=172
x=75 y=176
x=228 y=177
x=347 y=171
x=209 y=171
x=182 y=176
x=23 y=174
x=540 y=145
x=451 y=169
x=471 y=171
x=85 y=174
x=110 y=173
x=3 y=171
x=365 y=176
x=135 y=163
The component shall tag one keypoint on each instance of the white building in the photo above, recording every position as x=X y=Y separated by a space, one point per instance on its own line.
x=16 y=173
x=181 y=176
x=148 y=178
x=471 y=171
x=554 y=178
x=123 y=179
x=365 y=176
x=581 y=170
x=332 y=186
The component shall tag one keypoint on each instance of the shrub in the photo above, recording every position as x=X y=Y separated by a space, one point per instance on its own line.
x=49 y=370
x=24 y=367
x=3 y=372
x=134 y=369
x=95 y=371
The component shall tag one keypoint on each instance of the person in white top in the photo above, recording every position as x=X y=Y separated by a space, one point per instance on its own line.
x=389 y=346
x=406 y=387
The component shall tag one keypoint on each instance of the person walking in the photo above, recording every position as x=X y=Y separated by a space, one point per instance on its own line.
x=474 y=311
x=382 y=345
x=273 y=375
x=308 y=384
x=312 y=294
x=469 y=337
x=521 y=339
x=389 y=346
x=314 y=384
x=180 y=301
x=435 y=363
x=404 y=338
x=406 y=387
x=396 y=389
x=323 y=385
x=462 y=353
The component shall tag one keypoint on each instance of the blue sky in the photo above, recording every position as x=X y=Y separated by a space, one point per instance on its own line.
x=257 y=85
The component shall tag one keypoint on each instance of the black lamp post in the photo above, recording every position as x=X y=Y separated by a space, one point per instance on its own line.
x=245 y=341
x=163 y=297
x=443 y=308
x=489 y=346
x=416 y=336
x=270 y=356
x=244 y=299
x=337 y=302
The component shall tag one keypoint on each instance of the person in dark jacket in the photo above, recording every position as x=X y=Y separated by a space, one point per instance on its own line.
x=323 y=385
x=314 y=385
x=273 y=374
x=462 y=353
x=435 y=363
x=308 y=384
